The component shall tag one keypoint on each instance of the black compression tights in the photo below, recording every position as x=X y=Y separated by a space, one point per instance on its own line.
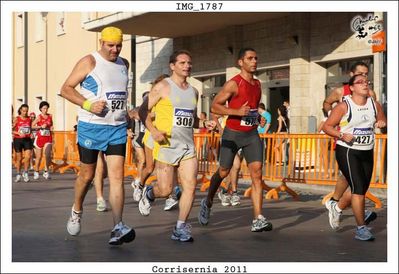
x=216 y=180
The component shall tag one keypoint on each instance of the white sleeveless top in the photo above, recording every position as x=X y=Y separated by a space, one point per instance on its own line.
x=359 y=121
x=107 y=81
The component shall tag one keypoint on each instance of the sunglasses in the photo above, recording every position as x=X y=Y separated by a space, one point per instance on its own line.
x=362 y=83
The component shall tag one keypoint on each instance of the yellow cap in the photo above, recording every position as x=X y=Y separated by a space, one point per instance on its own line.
x=111 y=34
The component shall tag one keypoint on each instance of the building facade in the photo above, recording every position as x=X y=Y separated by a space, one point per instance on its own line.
x=302 y=55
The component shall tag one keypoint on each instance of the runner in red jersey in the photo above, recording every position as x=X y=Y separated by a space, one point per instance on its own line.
x=243 y=94
x=44 y=139
x=21 y=130
x=248 y=94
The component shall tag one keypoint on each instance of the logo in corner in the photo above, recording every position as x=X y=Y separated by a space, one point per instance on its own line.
x=88 y=143
x=365 y=117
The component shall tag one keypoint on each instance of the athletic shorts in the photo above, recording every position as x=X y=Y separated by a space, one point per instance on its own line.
x=173 y=155
x=356 y=166
x=22 y=144
x=41 y=141
x=89 y=156
x=99 y=137
x=147 y=140
x=232 y=141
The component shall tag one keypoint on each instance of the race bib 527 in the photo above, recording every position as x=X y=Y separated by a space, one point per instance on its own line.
x=117 y=99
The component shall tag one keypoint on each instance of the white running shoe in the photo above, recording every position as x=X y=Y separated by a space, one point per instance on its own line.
x=170 y=203
x=26 y=177
x=225 y=198
x=35 y=175
x=334 y=216
x=137 y=190
x=101 y=205
x=261 y=224
x=18 y=178
x=73 y=225
x=235 y=199
x=46 y=175
x=144 y=203
x=121 y=234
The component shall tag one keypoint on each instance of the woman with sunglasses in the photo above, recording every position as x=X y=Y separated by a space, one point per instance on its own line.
x=356 y=115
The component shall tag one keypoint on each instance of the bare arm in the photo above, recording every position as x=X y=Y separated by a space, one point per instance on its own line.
x=78 y=74
x=154 y=96
x=381 y=118
x=14 y=124
x=267 y=127
x=372 y=94
x=333 y=97
x=215 y=118
x=333 y=120
x=143 y=110
x=34 y=123
x=280 y=125
x=320 y=127
x=229 y=90
x=133 y=114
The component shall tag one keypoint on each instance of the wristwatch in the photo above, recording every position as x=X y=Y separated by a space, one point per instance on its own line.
x=340 y=135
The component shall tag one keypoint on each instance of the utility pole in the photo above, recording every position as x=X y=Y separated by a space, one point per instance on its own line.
x=26 y=78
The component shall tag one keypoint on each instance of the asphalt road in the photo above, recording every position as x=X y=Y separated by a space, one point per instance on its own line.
x=301 y=232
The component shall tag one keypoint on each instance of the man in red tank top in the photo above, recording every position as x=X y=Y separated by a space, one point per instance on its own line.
x=336 y=95
x=243 y=94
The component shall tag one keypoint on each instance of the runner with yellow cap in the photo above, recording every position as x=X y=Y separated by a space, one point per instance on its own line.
x=102 y=126
x=111 y=34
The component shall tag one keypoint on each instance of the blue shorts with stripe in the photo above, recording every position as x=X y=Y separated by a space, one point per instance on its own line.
x=98 y=137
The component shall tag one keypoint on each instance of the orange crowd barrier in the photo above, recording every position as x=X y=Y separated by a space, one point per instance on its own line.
x=207 y=146
x=70 y=158
x=288 y=158
x=303 y=158
x=130 y=165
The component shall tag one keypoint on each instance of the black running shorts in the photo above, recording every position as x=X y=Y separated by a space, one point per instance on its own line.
x=232 y=141
x=89 y=156
x=22 y=144
x=356 y=166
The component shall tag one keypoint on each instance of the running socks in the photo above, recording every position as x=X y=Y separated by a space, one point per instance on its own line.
x=179 y=224
x=337 y=208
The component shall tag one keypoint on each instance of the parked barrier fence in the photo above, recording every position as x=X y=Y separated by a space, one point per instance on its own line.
x=305 y=158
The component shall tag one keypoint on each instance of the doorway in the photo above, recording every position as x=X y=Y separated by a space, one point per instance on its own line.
x=277 y=96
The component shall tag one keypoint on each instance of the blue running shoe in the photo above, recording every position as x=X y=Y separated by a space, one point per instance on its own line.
x=363 y=234
x=182 y=234
x=205 y=212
